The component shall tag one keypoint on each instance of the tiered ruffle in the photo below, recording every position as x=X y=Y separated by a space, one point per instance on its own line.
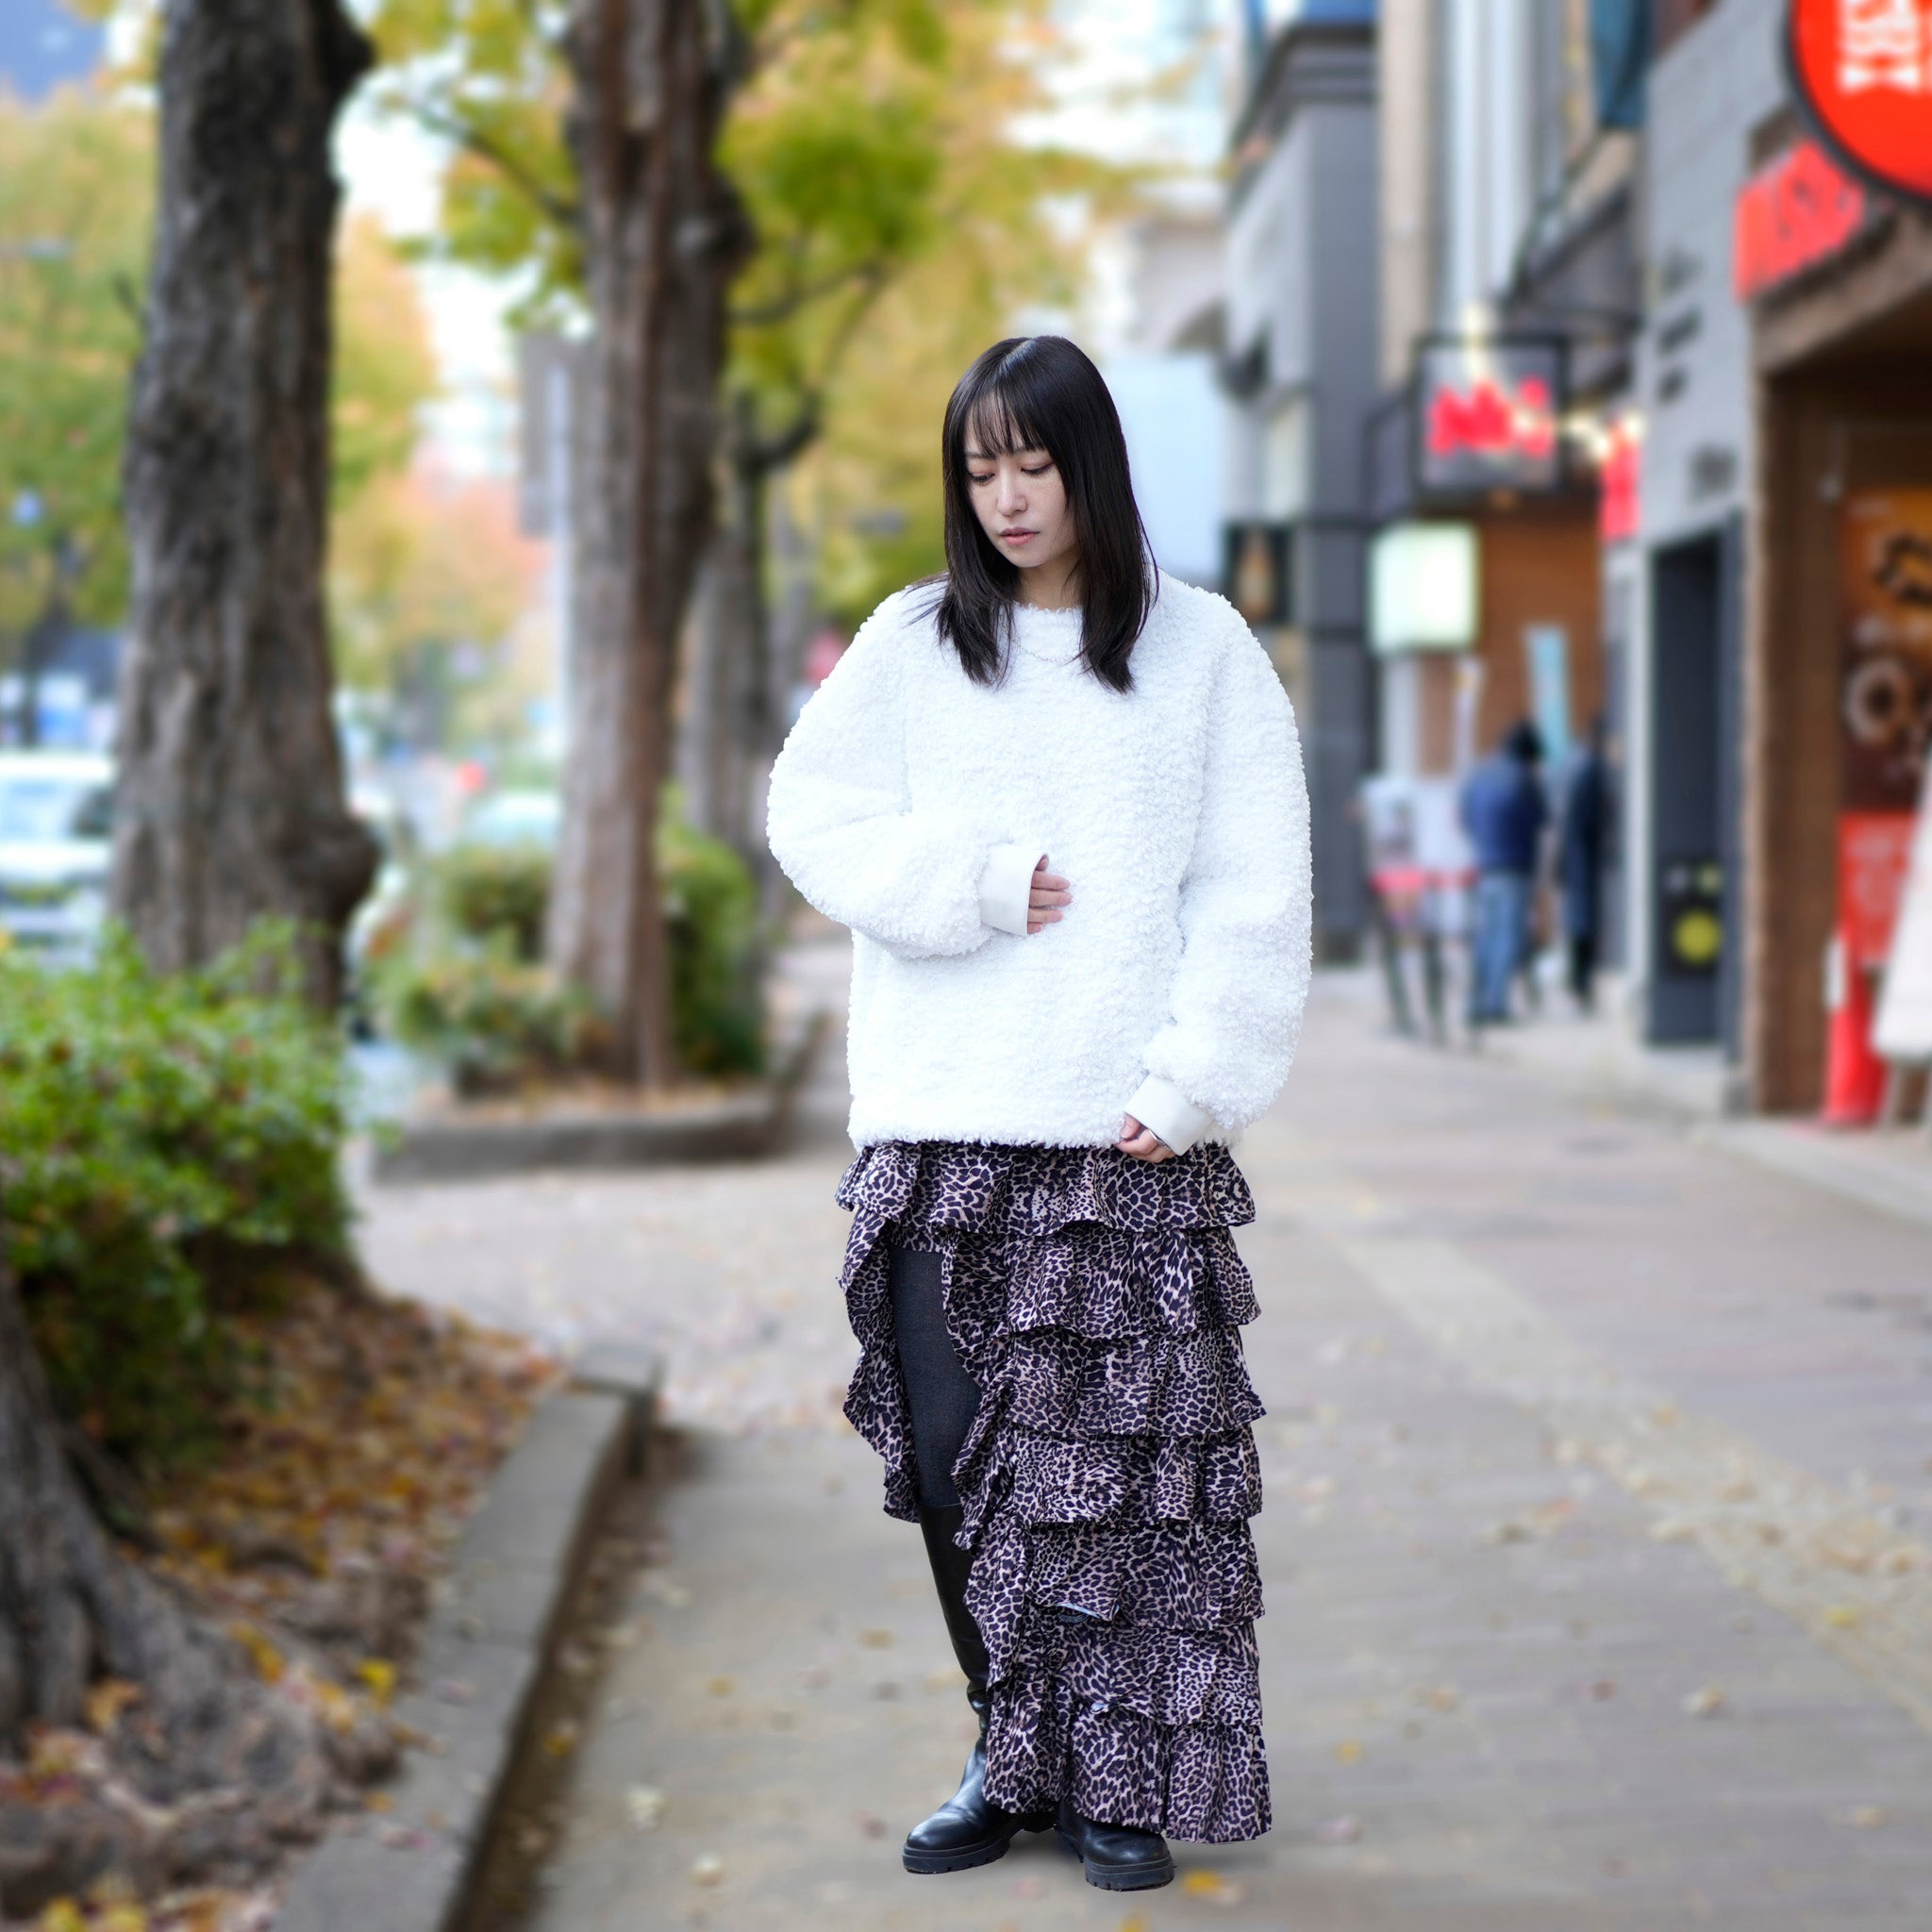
x=1110 y=1471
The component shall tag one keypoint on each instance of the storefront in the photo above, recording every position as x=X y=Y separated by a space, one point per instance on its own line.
x=1837 y=630
x=1484 y=568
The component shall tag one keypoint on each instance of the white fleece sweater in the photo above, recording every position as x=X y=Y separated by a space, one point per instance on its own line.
x=911 y=805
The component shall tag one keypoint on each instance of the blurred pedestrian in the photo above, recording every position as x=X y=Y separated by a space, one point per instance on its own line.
x=1503 y=813
x=1579 y=864
x=1059 y=798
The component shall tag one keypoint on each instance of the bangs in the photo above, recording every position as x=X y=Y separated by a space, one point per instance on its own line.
x=999 y=420
x=999 y=423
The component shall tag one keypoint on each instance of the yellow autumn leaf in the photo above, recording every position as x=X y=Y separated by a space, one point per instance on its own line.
x=1348 y=1751
x=61 y=1915
x=268 y=1661
x=107 y=1700
x=122 y=1917
x=379 y=1676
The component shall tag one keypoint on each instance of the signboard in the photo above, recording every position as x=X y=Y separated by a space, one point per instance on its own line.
x=1797 y=211
x=1863 y=71
x=1423 y=587
x=1690 y=895
x=1487 y=415
x=1873 y=849
x=1257 y=572
x=1617 y=482
x=1885 y=692
x=1546 y=649
x=1903 y=1030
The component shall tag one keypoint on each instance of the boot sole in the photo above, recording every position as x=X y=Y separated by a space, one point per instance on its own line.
x=1121 y=1877
x=986 y=1852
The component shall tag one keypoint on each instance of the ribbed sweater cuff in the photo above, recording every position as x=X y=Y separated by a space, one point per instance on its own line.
x=1005 y=887
x=1160 y=1105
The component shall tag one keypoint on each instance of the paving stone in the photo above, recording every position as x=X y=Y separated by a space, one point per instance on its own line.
x=1425 y=1527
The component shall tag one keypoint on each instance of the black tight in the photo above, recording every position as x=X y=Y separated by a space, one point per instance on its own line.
x=940 y=1394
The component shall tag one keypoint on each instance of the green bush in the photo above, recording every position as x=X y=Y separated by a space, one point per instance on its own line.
x=711 y=917
x=470 y=995
x=164 y=1140
x=487 y=890
x=495 y=1021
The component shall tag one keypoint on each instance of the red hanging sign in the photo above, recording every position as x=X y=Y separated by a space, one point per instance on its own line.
x=1796 y=211
x=1863 y=69
x=1617 y=485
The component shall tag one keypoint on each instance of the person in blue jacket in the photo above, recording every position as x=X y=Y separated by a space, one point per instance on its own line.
x=1503 y=812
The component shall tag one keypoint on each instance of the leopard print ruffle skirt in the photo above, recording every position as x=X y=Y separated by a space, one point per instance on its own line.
x=1109 y=1473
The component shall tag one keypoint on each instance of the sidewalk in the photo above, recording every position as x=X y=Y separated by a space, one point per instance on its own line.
x=1598 y=1602
x=1598 y=1061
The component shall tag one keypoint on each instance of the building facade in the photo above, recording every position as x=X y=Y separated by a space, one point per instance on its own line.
x=1298 y=372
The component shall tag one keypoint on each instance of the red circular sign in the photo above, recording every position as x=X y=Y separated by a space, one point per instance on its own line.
x=1864 y=70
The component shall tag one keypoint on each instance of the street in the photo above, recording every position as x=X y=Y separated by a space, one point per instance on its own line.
x=1596 y=1463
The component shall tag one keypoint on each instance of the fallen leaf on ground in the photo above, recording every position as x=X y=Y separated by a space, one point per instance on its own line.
x=720 y=1687
x=645 y=1805
x=562 y=1737
x=1212 y=1887
x=1862 y=1817
x=62 y=1915
x=107 y=1700
x=708 y=1868
x=379 y=1675
x=1706 y=1701
x=1348 y=1751
x=876 y=1639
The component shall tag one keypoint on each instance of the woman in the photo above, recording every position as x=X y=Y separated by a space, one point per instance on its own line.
x=1058 y=799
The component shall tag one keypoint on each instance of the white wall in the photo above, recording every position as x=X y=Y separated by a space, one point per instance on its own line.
x=1170 y=411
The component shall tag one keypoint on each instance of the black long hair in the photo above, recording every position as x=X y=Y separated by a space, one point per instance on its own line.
x=1040 y=392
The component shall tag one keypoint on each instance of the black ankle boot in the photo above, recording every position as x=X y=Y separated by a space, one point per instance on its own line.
x=1115 y=1857
x=967 y=1829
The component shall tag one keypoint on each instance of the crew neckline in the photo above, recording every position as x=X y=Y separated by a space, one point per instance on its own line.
x=1052 y=629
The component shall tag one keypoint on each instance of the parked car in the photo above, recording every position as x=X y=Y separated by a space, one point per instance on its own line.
x=56 y=814
x=518 y=816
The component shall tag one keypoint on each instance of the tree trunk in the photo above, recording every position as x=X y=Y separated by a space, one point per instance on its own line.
x=231 y=803
x=72 y=1612
x=664 y=237
x=725 y=694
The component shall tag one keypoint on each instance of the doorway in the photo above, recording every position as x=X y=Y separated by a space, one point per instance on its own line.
x=1694 y=725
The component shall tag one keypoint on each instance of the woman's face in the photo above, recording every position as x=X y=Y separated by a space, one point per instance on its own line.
x=1022 y=504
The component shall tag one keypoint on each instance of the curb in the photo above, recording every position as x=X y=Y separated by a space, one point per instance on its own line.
x=739 y=1128
x=482 y=1660
x=1825 y=1159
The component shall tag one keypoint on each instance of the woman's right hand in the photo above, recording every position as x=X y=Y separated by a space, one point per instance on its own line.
x=1049 y=894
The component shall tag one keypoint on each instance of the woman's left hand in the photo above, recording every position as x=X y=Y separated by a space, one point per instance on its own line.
x=1143 y=1144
